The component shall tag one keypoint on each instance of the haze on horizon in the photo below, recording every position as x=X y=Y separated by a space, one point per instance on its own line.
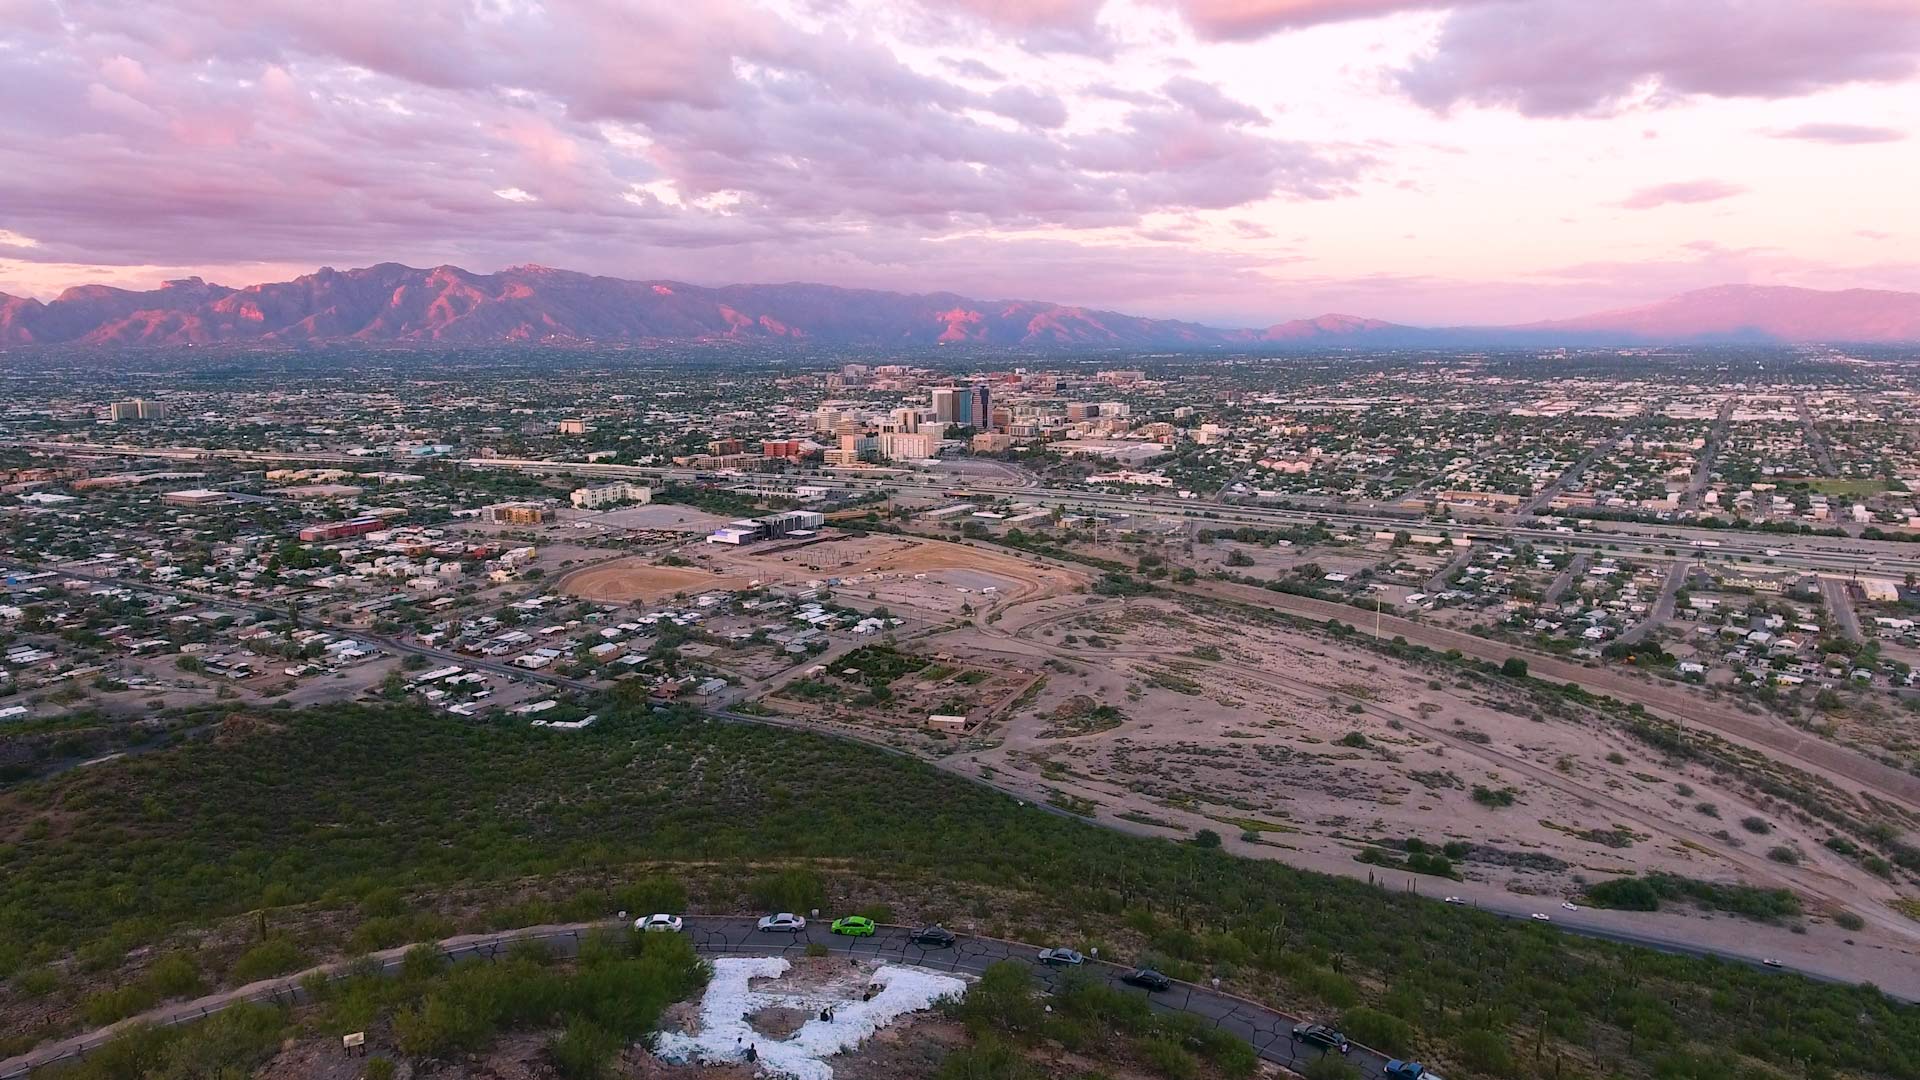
x=1236 y=162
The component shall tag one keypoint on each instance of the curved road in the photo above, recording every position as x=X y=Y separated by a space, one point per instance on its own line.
x=1269 y=1031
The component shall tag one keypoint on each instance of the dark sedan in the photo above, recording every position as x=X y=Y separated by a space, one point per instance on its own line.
x=1147 y=978
x=937 y=937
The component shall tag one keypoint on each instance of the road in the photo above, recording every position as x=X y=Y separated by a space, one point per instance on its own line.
x=1662 y=608
x=1840 y=605
x=1573 y=472
x=1709 y=455
x=1443 y=578
x=1268 y=1030
x=1816 y=439
x=1565 y=579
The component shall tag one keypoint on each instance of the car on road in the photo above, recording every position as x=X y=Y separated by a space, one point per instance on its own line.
x=1455 y=900
x=785 y=920
x=658 y=924
x=1410 y=1070
x=938 y=937
x=1147 y=979
x=1570 y=905
x=1322 y=1036
x=854 y=926
x=1540 y=916
x=1771 y=962
x=1061 y=958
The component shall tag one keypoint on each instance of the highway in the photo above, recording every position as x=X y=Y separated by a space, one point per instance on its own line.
x=1268 y=1030
x=1787 y=551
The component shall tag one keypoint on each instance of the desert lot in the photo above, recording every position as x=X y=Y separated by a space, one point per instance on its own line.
x=927 y=576
x=1171 y=717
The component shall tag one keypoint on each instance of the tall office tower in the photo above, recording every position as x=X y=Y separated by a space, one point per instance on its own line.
x=946 y=403
x=982 y=410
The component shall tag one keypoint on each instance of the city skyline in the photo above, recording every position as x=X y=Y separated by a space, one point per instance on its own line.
x=1437 y=164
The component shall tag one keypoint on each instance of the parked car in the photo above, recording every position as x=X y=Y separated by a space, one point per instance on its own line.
x=1322 y=1036
x=1061 y=958
x=1541 y=916
x=1147 y=978
x=1410 y=1070
x=658 y=924
x=938 y=937
x=854 y=926
x=785 y=920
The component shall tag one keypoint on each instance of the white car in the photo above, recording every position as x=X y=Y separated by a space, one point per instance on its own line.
x=1570 y=905
x=1455 y=900
x=658 y=924
x=786 y=921
x=1541 y=916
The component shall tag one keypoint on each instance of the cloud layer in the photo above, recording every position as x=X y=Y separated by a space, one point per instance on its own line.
x=1082 y=150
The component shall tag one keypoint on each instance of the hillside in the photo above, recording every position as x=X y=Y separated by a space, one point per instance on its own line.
x=479 y=826
x=391 y=303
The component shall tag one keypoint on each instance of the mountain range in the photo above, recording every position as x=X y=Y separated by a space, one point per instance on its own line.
x=394 y=303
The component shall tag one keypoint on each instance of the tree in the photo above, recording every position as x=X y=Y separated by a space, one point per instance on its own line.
x=1514 y=668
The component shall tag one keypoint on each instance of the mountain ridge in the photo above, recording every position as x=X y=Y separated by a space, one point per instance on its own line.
x=391 y=302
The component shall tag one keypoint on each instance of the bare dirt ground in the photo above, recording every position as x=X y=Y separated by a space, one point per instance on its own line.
x=1687 y=705
x=1164 y=720
x=891 y=568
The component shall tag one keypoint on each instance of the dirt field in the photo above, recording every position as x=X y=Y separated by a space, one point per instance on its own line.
x=914 y=572
x=1170 y=720
x=627 y=581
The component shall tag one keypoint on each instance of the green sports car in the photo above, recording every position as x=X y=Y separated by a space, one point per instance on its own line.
x=854 y=926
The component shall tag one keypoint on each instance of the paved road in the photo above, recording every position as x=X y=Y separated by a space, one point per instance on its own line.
x=1443 y=578
x=1709 y=456
x=1268 y=1030
x=1816 y=439
x=1841 y=606
x=1662 y=609
x=1594 y=453
x=1565 y=578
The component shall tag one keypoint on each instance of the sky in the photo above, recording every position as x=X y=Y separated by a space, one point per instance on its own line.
x=1239 y=162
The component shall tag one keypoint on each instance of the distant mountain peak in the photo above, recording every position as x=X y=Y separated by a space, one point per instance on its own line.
x=391 y=302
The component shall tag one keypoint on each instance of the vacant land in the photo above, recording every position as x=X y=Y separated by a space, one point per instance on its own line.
x=928 y=575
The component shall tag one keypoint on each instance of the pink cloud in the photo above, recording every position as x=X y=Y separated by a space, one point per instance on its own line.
x=1246 y=20
x=1567 y=57
x=1682 y=192
x=1842 y=134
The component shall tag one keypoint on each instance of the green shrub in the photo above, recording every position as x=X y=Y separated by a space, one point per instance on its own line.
x=795 y=890
x=274 y=956
x=650 y=894
x=119 y=1003
x=1382 y=1031
x=584 y=1051
x=1329 y=1067
x=175 y=975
